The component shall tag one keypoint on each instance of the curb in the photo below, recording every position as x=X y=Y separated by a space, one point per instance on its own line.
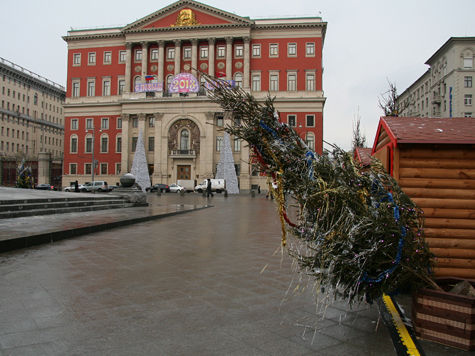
x=53 y=236
x=402 y=335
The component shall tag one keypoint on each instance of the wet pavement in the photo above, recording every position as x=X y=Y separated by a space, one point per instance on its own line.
x=210 y=282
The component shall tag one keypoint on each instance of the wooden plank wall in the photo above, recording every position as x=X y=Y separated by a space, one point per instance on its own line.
x=440 y=179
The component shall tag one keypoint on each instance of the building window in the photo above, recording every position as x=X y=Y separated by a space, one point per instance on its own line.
x=135 y=122
x=119 y=122
x=88 y=146
x=274 y=82
x=467 y=99
x=87 y=168
x=117 y=168
x=310 y=140
x=274 y=50
x=219 y=143
x=151 y=121
x=103 y=168
x=73 y=168
x=75 y=91
x=310 y=81
x=256 y=50
x=467 y=81
x=203 y=52
x=256 y=82
x=134 y=143
x=219 y=121
x=237 y=145
x=91 y=58
x=138 y=55
x=104 y=144
x=238 y=79
x=171 y=53
x=291 y=81
x=310 y=120
x=121 y=86
x=186 y=52
x=292 y=49
x=122 y=56
x=105 y=123
x=107 y=57
x=310 y=49
x=89 y=124
x=292 y=120
x=91 y=88
x=106 y=87
x=221 y=51
x=118 y=144
x=77 y=59
x=74 y=124
x=74 y=144
x=184 y=140
x=151 y=144
x=468 y=62
x=154 y=54
x=238 y=51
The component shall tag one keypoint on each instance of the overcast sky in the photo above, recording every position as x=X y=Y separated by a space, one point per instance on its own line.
x=368 y=42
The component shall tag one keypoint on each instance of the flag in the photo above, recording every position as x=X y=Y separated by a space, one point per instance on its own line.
x=149 y=77
x=220 y=74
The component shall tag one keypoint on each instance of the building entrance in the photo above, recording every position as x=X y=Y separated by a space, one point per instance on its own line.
x=183 y=172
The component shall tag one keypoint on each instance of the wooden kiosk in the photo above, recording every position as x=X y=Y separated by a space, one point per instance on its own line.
x=433 y=160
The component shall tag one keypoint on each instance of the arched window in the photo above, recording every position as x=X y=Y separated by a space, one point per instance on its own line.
x=310 y=140
x=238 y=79
x=88 y=143
x=104 y=143
x=137 y=80
x=73 y=145
x=184 y=140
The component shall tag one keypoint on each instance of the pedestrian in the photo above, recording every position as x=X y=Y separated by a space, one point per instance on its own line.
x=208 y=189
x=76 y=186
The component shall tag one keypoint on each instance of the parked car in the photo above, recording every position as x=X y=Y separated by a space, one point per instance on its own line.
x=159 y=187
x=217 y=185
x=175 y=188
x=96 y=186
x=44 y=186
x=72 y=188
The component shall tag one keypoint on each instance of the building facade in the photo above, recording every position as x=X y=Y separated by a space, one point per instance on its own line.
x=446 y=88
x=145 y=78
x=32 y=119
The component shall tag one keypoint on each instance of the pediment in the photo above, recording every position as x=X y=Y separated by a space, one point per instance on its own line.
x=185 y=14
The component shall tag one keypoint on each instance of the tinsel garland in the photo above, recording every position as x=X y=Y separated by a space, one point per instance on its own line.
x=358 y=232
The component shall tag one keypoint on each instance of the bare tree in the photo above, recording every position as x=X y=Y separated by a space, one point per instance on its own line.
x=359 y=140
x=388 y=101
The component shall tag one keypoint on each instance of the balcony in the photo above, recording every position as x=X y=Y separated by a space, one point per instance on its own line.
x=183 y=154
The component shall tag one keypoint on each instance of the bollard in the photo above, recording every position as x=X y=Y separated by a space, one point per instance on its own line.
x=253 y=193
x=225 y=193
x=182 y=192
x=159 y=192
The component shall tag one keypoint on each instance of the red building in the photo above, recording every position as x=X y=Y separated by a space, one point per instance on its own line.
x=145 y=77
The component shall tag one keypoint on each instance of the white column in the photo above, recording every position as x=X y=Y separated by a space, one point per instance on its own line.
x=177 y=56
x=157 y=163
x=194 y=56
x=247 y=63
x=229 y=58
x=124 y=161
x=211 y=52
x=161 y=60
x=144 y=60
x=128 y=66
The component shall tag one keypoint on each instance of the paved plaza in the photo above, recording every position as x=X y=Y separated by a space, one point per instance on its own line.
x=208 y=282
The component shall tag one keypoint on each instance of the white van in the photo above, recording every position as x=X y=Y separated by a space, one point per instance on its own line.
x=217 y=185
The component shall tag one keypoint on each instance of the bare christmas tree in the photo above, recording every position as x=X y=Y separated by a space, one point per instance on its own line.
x=140 y=166
x=226 y=169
